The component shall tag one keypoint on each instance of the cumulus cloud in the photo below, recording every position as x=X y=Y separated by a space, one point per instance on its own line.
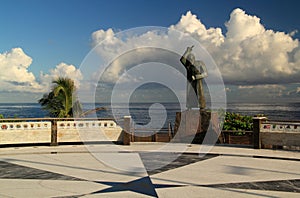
x=61 y=70
x=247 y=53
x=252 y=54
x=293 y=33
x=211 y=37
x=253 y=58
x=121 y=54
x=15 y=75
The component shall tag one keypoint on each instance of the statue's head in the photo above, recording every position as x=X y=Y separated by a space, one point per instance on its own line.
x=191 y=58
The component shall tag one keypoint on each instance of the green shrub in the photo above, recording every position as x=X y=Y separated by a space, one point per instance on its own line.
x=237 y=122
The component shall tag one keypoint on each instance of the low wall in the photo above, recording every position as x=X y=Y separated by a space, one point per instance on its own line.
x=280 y=133
x=272 y=133
x=77 y=131
x=230 y=137
x=55 y=131
x=25 y=132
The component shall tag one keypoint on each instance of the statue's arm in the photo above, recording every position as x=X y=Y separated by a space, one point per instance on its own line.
x=186 y=53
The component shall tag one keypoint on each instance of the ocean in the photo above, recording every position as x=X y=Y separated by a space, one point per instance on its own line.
x=140 y=114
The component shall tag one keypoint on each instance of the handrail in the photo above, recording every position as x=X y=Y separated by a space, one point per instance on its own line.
x=282 y=122
x=52 y=119
x=150 y=129
x=275 y=132
x=235 y=131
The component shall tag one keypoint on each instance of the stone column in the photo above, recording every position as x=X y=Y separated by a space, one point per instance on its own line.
x=126 y=131
x=256 y=131
x=54 y=133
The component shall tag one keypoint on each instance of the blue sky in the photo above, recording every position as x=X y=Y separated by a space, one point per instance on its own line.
x=52 y=32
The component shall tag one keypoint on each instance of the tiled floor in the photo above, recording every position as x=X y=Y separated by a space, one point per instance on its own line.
x=71 y=171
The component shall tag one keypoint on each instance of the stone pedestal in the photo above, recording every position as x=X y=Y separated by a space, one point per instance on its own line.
x=191 y=126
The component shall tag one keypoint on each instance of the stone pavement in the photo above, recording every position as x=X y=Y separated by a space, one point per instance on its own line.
x=72 y=171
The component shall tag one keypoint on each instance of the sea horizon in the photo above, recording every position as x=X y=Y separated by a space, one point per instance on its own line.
x=278 y=111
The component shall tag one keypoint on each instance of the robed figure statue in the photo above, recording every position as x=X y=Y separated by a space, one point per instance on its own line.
x=196 y=71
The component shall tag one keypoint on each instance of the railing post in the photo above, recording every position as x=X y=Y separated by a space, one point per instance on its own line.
x=256 y=132
x=170 y=131
x=132 y=133
x=154 y=137
x=53 y=133
x=126 y=132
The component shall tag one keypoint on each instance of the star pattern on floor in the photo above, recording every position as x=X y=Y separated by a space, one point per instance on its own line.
x=15 y=171
x=144 y=185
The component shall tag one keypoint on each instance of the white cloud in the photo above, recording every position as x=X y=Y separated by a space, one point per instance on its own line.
x=211 y=37
x=261 y=92
x=122 y=54
x=227 y=89
x=61 y=70
x=247 y=54
x=254 y=55
x=293 y=91
x=293 y=33
x=108 y=36
x=242 y=26
x=277 y=87
x=15 y=75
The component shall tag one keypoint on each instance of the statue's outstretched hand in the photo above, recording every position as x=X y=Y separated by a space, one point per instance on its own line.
x=189 y=49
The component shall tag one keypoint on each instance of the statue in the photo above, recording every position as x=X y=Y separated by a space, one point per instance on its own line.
x=196 y=71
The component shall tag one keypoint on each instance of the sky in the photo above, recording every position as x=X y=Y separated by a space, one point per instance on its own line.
x=254 y=43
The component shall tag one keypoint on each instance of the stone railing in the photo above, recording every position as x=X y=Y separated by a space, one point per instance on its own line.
x=25 y=132
x=88 y=130
x=275 y=133
x=55 y=131
x=279 y=126
x=13 y=126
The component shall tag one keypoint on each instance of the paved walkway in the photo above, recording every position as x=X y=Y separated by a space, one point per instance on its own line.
x=143 y=170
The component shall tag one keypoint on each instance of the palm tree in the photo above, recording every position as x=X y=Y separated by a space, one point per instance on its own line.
x=59 y=102
x=51 y=104
x=64 y=88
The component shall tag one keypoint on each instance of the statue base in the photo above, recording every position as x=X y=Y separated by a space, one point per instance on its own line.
x=192 y=125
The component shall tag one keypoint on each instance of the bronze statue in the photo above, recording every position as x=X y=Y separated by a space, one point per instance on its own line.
x=196 y=71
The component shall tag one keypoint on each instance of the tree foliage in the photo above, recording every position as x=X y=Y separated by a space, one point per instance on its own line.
x=61 y=102
x=237 y=122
